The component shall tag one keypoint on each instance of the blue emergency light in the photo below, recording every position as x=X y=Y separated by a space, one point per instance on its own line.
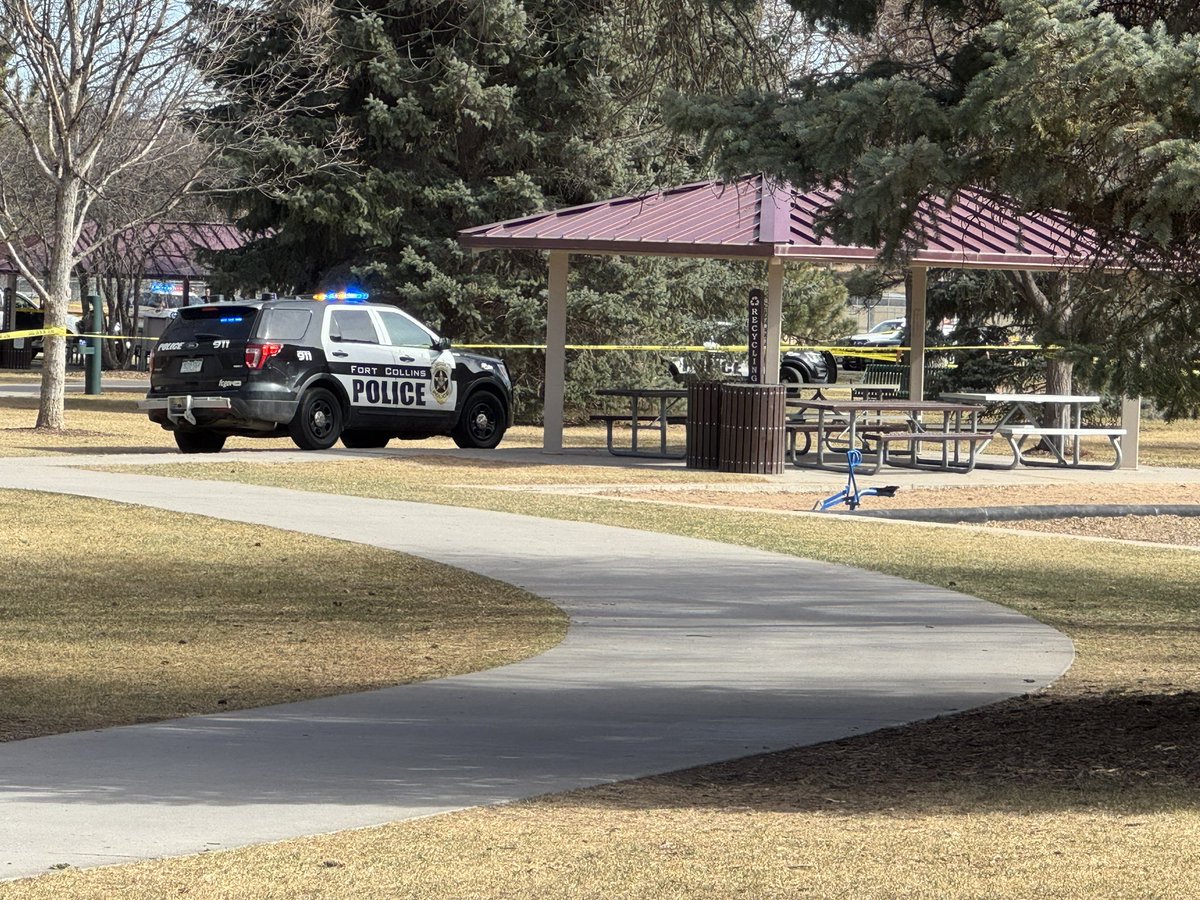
x=351 y=296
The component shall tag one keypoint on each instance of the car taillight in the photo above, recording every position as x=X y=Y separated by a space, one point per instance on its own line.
x=257 y=354
x=150 y=363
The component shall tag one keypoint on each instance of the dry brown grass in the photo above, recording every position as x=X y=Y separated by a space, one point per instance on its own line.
x=111 y=422
x=1171 y=443
x=110 y=616
x=1091 y=789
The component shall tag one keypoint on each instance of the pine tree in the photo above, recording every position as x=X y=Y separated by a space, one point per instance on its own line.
x=1084 y=107
x=472 y=112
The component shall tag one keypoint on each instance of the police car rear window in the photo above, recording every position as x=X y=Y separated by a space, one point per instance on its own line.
x=283 y=324
x=211 y=322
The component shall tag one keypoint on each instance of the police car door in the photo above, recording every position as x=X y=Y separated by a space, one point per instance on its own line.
x=424 y=375
x=361 y=361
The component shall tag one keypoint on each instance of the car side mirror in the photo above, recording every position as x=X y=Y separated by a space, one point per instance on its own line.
x=442 y=343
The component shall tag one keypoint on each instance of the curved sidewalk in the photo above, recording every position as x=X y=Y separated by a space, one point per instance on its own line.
x=680 y=652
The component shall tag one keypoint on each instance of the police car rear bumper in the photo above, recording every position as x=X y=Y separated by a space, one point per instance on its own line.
x=199 y=411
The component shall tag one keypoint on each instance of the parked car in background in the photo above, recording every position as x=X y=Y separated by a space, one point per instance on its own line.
x=795 y=367
x=888 y=333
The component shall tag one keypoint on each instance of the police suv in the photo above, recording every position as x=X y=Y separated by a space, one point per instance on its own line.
x=318 y=370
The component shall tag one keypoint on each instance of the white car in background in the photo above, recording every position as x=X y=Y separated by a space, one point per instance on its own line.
x=888 y=333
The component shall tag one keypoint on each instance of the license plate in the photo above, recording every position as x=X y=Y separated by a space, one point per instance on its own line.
x=190 y=365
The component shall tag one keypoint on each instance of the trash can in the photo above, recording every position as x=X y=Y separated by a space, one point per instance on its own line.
x=13 y=357
x=752 y=428
x=703 y=424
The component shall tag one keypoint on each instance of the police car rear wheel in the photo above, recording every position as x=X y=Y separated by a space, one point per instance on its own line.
x=318 y=421
x=789 y=375
x=482 y=423
x=199 y=441
x=364 y=439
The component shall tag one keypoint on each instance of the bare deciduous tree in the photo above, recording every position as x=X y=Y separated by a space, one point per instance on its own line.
x=108 y=119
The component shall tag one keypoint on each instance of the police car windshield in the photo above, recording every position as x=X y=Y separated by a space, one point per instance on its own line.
x=211 y=322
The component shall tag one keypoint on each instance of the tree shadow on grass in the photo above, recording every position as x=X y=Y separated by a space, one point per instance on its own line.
x=1131 y=752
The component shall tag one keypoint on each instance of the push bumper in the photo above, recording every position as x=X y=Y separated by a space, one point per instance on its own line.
x=199 y=411
x=182 y=407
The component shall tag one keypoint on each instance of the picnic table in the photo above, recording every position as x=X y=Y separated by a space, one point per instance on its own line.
x=863 y=421
x=650 y=409
x=1021 y=419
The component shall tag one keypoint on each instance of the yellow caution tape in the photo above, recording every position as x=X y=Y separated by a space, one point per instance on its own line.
x=876 y=353
x=62 y=332
x=31 y=332
x=880 y=353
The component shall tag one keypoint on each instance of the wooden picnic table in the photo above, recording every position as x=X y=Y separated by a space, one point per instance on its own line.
x=649 y=410
x=865 y=417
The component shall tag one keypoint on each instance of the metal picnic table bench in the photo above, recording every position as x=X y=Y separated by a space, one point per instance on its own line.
x=651 y=419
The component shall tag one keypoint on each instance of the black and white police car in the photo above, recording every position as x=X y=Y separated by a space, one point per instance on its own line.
x=318 y=370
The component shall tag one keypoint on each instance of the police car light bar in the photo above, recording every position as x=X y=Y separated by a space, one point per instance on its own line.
x=342 y=295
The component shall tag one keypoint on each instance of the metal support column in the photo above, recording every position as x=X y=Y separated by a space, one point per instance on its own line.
x=1131 y=421
x=916 y=288
x=556 y=353
x=770 y=373
x=94 y=324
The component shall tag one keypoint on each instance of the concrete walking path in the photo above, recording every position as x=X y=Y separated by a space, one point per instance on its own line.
x=680 y=652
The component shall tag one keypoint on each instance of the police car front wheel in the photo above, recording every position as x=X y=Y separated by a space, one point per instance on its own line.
x=482 y=423
x=318 y=421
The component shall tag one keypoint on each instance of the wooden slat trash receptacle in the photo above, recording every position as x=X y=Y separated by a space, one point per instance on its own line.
x=752 y=428
x=703 y=424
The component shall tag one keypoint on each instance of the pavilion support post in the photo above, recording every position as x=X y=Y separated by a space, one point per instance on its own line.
x=915 y=313
x=770 y=374
x=1131 y=421
x=556 y=353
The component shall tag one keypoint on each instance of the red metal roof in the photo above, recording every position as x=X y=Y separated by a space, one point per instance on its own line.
x=174 y=249
x=157 y=249
x=752 y=218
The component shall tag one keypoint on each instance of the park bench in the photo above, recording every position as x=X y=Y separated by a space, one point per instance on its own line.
x=881 y=381
x=884 y=381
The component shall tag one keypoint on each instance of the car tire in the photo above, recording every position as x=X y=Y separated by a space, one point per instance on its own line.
x=364 y=439
x=792 y=375
x=317 y=424
x=831 y=367
x=199 y=441
x=482 y=423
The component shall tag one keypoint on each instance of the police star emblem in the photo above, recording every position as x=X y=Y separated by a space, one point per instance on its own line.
x=441 y=381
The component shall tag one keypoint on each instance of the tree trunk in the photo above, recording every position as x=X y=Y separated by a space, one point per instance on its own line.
x=1058 y=381
x=54 y=352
